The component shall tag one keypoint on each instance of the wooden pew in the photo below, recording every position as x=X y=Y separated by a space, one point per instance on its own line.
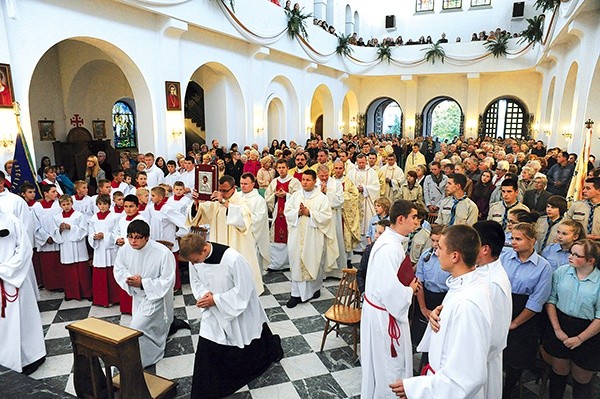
x=117 y=346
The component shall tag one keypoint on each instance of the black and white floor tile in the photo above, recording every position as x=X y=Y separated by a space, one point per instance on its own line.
x=303 y=373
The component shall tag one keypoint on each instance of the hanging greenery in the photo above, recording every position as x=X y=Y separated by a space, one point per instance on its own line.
x=343 y=47
x=297 y=23
x=498 y=47
x=534 y=31
x=546 y=5
x=384 y=52
x=434 y=52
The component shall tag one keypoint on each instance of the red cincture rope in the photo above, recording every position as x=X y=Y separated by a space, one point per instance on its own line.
x=393 y=328
x=6 y=297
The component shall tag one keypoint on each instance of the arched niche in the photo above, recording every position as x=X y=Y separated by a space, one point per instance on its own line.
x=384 y=115
x=77 y=81
x=224 y=106
x=283 y=89
x=349 y=23
x=195 y=115
x=275 y=120
x=349 y=122
x=442 y=118
x=568 y=105
x=546 y=124
x=322 y=106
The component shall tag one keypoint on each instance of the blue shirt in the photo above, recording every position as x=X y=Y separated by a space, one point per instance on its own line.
x=556 y=256
x=532 y=277
x=373 y=226
x=574 y=297
x=430 y=273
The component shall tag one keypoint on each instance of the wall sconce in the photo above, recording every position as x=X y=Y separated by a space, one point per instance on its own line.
x=547 y=130
x=309 y=128
x=353 y=124
x=7 y=142
x=567 y=134
x=471 y=124
x=176 y=133
x=410 y=125
x=260 y=130
x=341 y=126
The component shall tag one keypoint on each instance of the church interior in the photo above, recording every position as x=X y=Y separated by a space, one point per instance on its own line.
x=97 y=75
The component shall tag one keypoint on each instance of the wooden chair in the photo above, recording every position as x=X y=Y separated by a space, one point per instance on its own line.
x=117 y=346
x=345 y=309
x=431 y=217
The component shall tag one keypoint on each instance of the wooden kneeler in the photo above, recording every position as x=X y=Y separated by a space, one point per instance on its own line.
x=117 y=346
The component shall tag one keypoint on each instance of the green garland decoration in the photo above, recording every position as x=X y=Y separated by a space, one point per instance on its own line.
x=434 y=52
x=534 y=31
x=384 y=52
x=498 y=47
x=546 y=5
x=343 y=48
x=297 y=23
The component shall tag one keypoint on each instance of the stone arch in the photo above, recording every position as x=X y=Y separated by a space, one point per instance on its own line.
x=349 y=121
x=438 y=108
x=549 y=112
x=349 y=22
x=85 y=76
x=356 y=23
x=275 y=120
x=283 y=89
x=375 y=119
x=224 y=105
x=322 y=105
x=568 y=105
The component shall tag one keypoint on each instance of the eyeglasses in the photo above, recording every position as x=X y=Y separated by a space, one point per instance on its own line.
x=576 y=255
x=226 y=190
x=511 y=221
x=135 y=237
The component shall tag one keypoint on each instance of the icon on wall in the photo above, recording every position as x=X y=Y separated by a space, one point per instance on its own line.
x=173 y=92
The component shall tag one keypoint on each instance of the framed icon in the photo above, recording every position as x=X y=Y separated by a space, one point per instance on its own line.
x=99 y=129
x=46 y=128
x=173 y=93
x=206 y=181
x=7 y=94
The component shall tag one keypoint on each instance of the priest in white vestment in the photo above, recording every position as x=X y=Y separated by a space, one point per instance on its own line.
x=351 y=219
x=146 y=270
x=335 y=194
x=392 y=177
x=458 y=352
x=312 y=243
x=260 y=219
x=230 y=222
x=22 y=346
x=276 y=195
x=385 y=343
x=367 y=182
x=235 y=344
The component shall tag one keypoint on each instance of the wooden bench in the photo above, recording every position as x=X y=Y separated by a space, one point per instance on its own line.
x=117 y=346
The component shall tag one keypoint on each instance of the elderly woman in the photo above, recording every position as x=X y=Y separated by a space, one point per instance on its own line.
x=266 y=173
x=252 y=165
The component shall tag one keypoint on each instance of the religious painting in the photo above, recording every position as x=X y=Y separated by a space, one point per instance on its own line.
x=172 y=91
x=46 y=128
x=451 y=4
x=123 y=122
x=7 y=95
x=99 y=129
x=424 y=5
x=206 y=181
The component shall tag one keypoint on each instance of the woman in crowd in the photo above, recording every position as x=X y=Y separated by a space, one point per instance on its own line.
x=162 y=165
x=482 y=191
x=530 y=277
x=567 y=232
x=573 y=309
x=411 y=190
x=266 y=173
x=43 y=165
x=274 y=146
x=252 y=165
x=93 y=174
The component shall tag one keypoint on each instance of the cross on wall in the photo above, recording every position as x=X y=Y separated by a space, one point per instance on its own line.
x=76 y=120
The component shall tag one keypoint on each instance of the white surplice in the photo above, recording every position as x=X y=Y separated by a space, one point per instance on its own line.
x=458 y=352
x=260 y=226
x=166 y=224
x=311 y=241
x=21 y=334
x=72 y=243
x=230 y=226
x=13 y=204
x=153 y=304
x=335 y=195
x=86 y=205
x=383 y=289
x=369 y=180
x=237 y=317
x=501 y=291
x=105 y=249
x=44 y=225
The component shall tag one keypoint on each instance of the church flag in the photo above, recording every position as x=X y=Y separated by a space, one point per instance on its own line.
x=580 y=172
x=23 y=170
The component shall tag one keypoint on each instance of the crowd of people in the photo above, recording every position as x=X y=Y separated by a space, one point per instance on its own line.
x=501 y=263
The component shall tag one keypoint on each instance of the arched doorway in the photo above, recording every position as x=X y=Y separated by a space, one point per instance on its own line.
x=442 y=119
x=321 y=113
x=384 y=116
x=195 y=123
x=349 y=123
x=282 y=89
x=275 y=120
x=506 y=117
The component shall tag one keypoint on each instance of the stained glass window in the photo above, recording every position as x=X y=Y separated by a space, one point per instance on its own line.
x=424 y=5
x=477 y=3
x=451 y=4
x=123 y=123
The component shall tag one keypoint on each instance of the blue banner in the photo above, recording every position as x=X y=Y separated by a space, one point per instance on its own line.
x=23 y=170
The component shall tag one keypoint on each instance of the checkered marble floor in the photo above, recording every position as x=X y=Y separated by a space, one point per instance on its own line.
x=304 y=372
